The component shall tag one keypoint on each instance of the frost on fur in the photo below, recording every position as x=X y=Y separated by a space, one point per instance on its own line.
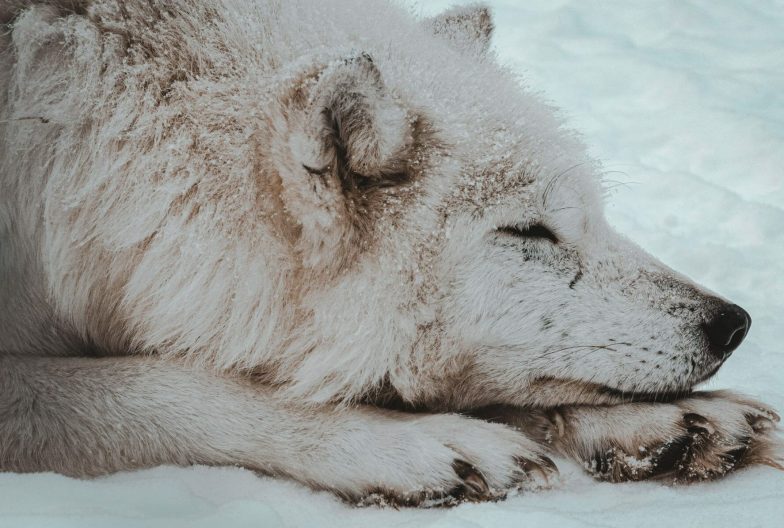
x=468 y=27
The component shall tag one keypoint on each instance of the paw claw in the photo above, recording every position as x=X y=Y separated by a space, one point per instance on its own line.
x=768 y=413
x=761 y=424
x=475 y=484
x=735 y=456
x=601 y=463
x=674 y=455
x=548 y=464
x=698 y=424
x=558 y=422
x=544 y=466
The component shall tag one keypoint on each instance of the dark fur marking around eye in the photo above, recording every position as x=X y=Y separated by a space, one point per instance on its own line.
x=532 y=231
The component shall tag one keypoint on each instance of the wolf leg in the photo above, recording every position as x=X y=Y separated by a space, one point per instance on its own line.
x=91 y=416
x=701 y=437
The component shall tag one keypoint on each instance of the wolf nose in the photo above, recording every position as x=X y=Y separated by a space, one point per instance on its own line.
x=727 y=330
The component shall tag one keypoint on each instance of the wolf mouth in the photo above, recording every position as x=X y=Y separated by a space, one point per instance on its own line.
x=556 y=391
x=661 y=396
x=664 y=396
x=642 y=396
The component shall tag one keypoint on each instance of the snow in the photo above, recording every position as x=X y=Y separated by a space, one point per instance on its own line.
x=684 y=101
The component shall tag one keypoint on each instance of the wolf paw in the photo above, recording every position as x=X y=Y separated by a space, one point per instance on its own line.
x=443 y=460
x=722 y=433
x=702 y=437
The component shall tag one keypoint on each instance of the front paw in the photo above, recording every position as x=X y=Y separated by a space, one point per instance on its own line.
x=699 y=438
x=443 y=460
x=723 y=432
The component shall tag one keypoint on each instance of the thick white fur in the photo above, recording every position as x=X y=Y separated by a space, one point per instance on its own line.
x=136 y=246
x=220 y=182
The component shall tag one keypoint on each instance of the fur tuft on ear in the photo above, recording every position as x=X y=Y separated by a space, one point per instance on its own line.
x=356 y=121
x=468 y=27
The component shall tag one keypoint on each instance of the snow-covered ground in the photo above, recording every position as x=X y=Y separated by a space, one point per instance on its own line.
x=685 y=99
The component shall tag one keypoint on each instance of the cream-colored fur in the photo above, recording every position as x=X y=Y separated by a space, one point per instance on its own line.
x=262 y=220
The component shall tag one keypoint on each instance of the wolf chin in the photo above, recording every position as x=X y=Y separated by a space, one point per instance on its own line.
x=335 y=243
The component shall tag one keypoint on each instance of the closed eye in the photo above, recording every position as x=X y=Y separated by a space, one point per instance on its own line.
x=531 y=231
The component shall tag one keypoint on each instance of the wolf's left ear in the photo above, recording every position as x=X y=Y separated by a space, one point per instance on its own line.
x=358 y=123
x=469 y=28
x=348 y=137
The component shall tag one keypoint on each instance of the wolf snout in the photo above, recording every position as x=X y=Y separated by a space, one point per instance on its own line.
x=727 y=329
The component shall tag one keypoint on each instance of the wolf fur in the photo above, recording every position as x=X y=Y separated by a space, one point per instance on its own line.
x=298 y=236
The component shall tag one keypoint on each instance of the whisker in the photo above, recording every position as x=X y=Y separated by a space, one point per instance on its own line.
x=592 y=348
x=548 y=188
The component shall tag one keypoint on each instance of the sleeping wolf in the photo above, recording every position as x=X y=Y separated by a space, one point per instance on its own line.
x=302 y=236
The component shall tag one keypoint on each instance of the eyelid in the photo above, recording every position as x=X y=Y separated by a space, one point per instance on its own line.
x=535 y=230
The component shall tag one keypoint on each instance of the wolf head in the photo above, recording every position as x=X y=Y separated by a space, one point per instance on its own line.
x=348 y=202
x=467 y=252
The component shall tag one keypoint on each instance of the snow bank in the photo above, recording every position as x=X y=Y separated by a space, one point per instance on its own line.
x=684 y=100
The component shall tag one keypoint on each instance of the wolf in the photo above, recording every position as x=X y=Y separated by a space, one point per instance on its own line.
x=332 y=242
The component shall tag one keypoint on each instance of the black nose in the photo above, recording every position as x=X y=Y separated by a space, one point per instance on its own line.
x=727 y=329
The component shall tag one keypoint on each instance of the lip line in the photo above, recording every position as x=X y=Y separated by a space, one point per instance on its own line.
x=658 y=397
x=624 y=395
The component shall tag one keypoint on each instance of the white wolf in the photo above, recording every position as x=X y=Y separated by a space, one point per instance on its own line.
x=299 y=236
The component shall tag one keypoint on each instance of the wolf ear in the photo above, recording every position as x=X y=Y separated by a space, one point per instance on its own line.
x=347 y=137
x=360 y=130
x=467 y=27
